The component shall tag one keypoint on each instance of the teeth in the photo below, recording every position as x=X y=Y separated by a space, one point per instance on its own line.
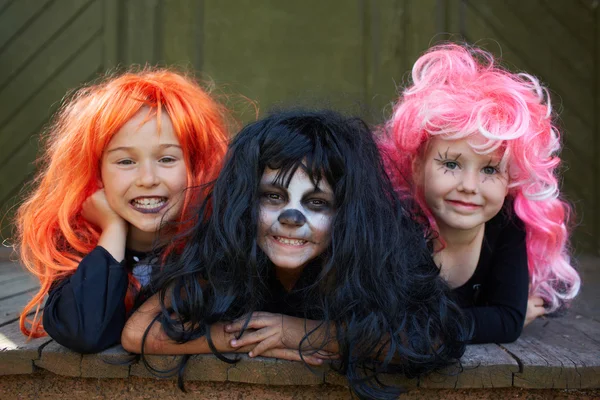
x=149 y=203
x=293 y=242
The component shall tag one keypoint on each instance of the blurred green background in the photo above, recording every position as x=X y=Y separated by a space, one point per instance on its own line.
x=349 y=54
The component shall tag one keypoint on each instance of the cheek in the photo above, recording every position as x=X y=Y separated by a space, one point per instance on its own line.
x=176 y=178
x=266 y=218
x=321 y=224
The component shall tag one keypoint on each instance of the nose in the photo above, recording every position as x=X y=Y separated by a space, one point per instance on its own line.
x=147 y=176
x=469 y=182
x=292 y=217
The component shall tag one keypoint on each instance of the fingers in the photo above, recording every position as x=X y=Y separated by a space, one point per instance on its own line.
x=271 y=342
x=536 y=301
x=250 y=337
x=258 y=320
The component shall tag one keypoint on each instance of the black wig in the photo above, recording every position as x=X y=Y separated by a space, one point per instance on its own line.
x=377 y=283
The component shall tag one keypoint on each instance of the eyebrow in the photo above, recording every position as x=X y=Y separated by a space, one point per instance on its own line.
x=129 y=148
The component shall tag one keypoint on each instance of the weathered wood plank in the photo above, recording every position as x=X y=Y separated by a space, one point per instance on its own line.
x=554 y=354
x=20 y=284
x=24 y=48
x=86 y=64
x=16 y=16
x=16 y=352
x=11 y=307
x=111 y=363
x=50 y=60
x=483 y=366
x=10 y=270
x=60 y=360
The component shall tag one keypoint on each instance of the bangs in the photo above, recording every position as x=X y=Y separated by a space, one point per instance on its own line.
x=294 y=144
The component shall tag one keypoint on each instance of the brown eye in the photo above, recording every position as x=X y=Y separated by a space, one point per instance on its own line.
x=272 y=198
x=318 y=204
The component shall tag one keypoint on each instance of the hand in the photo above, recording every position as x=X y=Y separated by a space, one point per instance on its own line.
x=535 y=308
x=279 y=336
x=97 y=211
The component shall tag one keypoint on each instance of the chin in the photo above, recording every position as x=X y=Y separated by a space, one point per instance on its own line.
x=287 y=263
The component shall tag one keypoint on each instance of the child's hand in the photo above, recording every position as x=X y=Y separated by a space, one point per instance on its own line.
x=535 y=308
x=97 y=211
x=279 y=336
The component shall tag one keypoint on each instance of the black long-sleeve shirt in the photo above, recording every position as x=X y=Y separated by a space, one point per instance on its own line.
x=495 y=297
x=86 y=312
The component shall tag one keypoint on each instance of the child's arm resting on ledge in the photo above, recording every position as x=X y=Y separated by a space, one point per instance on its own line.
x=157 y=341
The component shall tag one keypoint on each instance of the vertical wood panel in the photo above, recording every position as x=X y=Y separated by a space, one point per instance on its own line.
x=386 y=55
x=141 y=31
x=308 y=50
x=112 y=28
x=533 y=37
x=183 y=30
x=596 y=204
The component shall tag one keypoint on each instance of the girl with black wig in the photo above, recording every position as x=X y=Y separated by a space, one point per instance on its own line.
x=303 y=251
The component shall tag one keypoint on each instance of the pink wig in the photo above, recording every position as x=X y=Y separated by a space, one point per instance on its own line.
x=458 y=92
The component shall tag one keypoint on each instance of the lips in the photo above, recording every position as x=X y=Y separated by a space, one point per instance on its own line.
x=463 y=204
x=149 y=205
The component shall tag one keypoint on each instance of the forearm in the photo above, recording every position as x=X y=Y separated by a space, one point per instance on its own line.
x=158 y=342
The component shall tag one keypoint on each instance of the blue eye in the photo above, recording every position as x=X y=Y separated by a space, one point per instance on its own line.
x=451 y=164
x=489 y=170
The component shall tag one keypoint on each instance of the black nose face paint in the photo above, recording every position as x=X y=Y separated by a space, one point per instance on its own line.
x=292 y=217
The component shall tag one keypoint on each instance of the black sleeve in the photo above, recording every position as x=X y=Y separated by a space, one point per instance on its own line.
x=505 y=290
x=85 y=312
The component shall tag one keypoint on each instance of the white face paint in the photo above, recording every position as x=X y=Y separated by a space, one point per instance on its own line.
x=290 y=243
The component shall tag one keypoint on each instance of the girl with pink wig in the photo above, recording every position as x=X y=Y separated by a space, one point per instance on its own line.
x=477 y=146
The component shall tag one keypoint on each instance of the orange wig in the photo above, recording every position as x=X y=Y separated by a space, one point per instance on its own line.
x=53 y=236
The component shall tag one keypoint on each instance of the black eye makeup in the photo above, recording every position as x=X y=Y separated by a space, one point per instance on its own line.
x=446 y=163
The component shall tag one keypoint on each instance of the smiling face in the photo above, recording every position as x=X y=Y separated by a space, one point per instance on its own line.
x=462 y=189
x=295 y=222
x=144 y=175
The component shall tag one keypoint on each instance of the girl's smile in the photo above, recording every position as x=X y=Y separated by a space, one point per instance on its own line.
x=144 y=175
x=295 y=221
x=462 y=188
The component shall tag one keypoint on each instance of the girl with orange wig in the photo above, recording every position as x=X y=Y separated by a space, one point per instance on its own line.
x=118 y=158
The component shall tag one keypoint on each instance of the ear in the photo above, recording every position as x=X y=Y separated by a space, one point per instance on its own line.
x=99 y=183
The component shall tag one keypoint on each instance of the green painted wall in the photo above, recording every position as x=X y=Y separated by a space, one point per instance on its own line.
x=349 y=54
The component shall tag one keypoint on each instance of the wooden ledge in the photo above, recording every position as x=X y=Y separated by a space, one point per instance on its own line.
x=561 y=353
x=551 y=354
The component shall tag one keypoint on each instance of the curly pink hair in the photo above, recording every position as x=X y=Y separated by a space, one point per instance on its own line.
x=458 y=92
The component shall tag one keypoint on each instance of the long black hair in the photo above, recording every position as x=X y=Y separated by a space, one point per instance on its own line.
x=377 y=284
